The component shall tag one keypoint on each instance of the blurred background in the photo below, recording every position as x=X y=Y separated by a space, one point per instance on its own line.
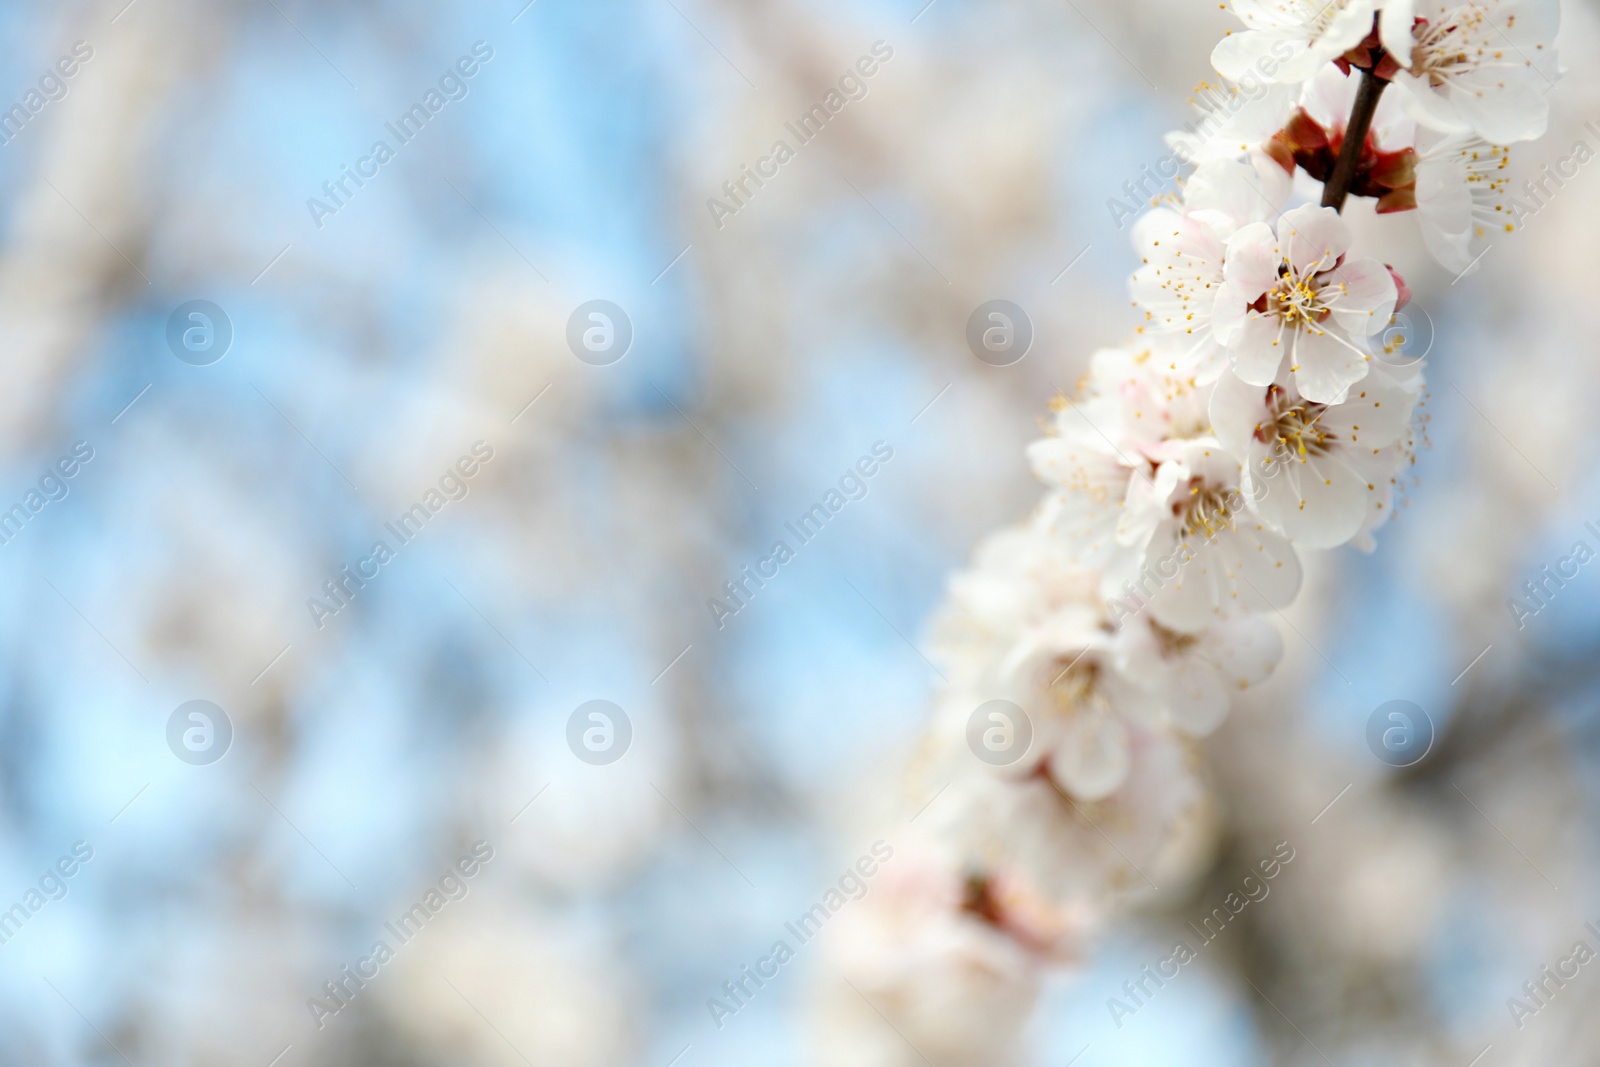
x=367 y=340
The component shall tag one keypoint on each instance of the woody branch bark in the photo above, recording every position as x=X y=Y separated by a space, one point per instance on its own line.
x=1355 y=137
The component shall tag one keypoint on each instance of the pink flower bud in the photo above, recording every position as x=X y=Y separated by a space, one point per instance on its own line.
x=1401 y=287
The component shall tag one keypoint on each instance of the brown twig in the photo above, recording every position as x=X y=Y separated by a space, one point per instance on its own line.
x=1355 y=140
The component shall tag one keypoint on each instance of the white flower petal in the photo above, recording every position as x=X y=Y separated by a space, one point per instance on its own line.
x=1257 y=349
x=1318 y=501
x=1091 y=758
x=1365 y=298
x=1199 y=700
x=1326 y=364
x=1312 y=238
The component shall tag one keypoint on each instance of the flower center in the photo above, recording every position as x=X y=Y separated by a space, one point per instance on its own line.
x=1449 y=47
x=1075 y=684
x=1171 y=642
x=1203 y=509
x=1296 y=300
x=1295 y=426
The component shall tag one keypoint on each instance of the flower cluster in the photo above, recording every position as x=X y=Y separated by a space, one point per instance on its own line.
x=1250 y=418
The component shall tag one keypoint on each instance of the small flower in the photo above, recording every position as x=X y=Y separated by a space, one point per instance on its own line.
x=1291 y=38
x=1184 y=252
x=1483 y=65
x=1104 y=442
x=1233 y=120
x=1316 y=471
x=1194 y=676
x=1296 y=295
x=1026 y=626
x=1207 y=558
x=952 y=976
x=1073 y=857
x=1462 y=196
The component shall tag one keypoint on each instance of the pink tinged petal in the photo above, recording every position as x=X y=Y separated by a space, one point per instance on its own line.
x=1312 y=238
x=1324 y=505
x=1362 y=294
x=1251 y=263
x=1327 y=364
x=1401 y=288
x=1257 y=349
x=1199 y=699
x=1091 y=759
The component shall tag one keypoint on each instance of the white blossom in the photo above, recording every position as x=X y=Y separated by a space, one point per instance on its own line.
x=1036 y=631
x=1248 y=421
x=1184 y=251
x=1316 y=471
x=1482 y=65
x=1291 y=38
x=1206 y=557
x=1295 y=297
x=1193 y=676
x=1463 y=196
x=1104 y=442
x=954 y=984
x=1233 y=120
x=1058 y=864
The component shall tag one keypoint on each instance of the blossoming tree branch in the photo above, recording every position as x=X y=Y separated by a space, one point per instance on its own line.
x=1250 y=417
